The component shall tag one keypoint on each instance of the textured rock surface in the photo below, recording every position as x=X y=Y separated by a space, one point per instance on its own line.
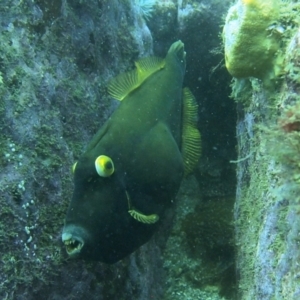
x=267 y=204
x=55 y=60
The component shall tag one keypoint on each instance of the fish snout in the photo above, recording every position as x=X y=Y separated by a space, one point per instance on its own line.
x=74 y=239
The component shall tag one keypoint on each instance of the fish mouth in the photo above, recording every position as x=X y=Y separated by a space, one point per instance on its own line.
x=73 y=243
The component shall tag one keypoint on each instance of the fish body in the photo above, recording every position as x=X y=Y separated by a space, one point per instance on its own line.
x=138 y=155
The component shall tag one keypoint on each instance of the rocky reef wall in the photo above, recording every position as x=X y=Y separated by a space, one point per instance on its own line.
x=55 y=60
x=267 y=224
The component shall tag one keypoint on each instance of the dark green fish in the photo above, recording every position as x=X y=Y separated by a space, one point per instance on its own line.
x=132 y=168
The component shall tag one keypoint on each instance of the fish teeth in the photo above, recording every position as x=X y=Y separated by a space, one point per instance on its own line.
x=71 y=245
x=69 y=242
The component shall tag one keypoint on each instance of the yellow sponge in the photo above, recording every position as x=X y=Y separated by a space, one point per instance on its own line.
x=250 y=43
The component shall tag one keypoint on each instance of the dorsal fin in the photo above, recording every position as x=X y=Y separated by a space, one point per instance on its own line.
x=120 y=86
x=147 y=66
x=191 y=138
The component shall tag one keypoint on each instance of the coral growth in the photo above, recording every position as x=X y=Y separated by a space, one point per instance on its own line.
x=146 y=7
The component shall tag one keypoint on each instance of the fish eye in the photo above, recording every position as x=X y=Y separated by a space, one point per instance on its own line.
x=74 y=167
x=104 y=166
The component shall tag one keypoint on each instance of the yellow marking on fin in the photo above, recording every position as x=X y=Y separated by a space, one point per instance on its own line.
x=191 y=138
x=146 y=219
x=120 y=86
x=148 y=65
x=74 y=167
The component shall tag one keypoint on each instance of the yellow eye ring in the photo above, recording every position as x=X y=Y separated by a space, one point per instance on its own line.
x=104 y=166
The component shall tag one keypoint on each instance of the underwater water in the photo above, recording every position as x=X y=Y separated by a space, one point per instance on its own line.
x=149 y=149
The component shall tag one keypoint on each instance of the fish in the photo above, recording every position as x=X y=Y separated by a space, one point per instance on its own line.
x=132 y=168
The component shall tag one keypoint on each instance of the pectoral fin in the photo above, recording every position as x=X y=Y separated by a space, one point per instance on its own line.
x=139 y=216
